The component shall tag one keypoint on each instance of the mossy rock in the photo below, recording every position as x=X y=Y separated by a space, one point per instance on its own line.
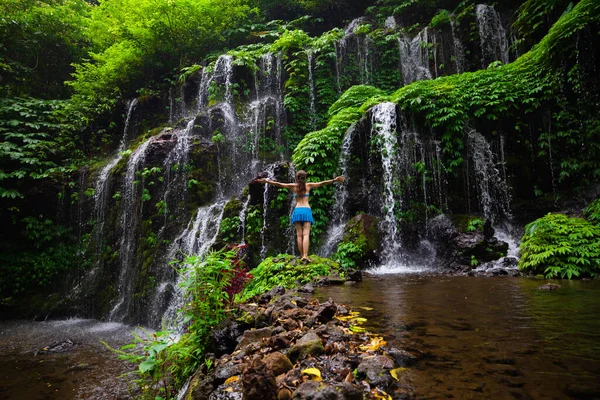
x=362 y=234
x=287 y=271
x=462 y=222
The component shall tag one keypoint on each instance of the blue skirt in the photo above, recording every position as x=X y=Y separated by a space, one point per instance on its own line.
x=302 y=214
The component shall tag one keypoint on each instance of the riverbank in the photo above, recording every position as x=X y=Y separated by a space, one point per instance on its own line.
x=299 y=348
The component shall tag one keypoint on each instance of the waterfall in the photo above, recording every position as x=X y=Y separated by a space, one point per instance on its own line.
x=459 y=50
x=338 y=218
x=384 y=128
x=493 y=38
x=102 y=186
x=414 y=57
x=362 y=48
x=224 y=68
x=492 y=189
x=129 y=221
x=196 y=239
x=340 y=51
x=177 y=159
x=242 y=217
x=202 y=100
x=270 y=171
x=312 y=108
x=390 y=23
x=171 y=106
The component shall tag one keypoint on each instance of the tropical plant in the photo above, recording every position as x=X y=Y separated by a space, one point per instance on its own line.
x=560 y=246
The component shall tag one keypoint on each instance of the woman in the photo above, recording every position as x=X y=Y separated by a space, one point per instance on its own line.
x=302 y=216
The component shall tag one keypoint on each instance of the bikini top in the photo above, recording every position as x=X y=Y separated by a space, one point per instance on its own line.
x=305 y=195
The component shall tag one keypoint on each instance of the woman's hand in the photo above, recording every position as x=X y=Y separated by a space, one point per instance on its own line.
x=339 y=179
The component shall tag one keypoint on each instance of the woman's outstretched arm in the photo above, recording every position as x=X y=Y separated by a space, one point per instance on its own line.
x=322 y=183
x=275 y=183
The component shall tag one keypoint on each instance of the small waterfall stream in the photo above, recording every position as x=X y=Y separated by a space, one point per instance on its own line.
x=103 y=183
x=312 y=108
x=129 y=223
x=339 y=215
x=414 y=57
x=493 y=37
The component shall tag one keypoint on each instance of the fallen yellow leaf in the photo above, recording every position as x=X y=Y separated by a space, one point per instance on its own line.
x=314 y=373
x=395 y=371
x=232 y=379
x=374 y=344
x=357 y=329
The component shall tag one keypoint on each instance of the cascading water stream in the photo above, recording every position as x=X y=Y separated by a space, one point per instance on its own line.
x=414 y=57
x=199 y=236
x=312 y=108
x=459 y=50
x=175 y=179
x=129 y=221
x=242 y=218
x=493 y=38
x=270 y=172
x=492 y=190
x=338 y=219
x=383 y=124
x=103 y=183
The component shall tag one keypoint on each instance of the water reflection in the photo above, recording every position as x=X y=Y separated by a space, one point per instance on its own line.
x=487 y=338
x=62 y=360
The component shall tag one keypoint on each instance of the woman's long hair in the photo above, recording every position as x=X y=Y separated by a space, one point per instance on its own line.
x=300 y=183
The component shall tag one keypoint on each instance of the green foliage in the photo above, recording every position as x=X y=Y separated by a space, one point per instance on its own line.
x=560 y=246
x=45 y=250
x=475 y=224
x=139 y=42
x=441 y=19
x=39 y=41
x=32 y=144
x=164 y=363
x=287 y=271
x=355 y=97
x=347 y=253
x=229 y=228
x=592 y=212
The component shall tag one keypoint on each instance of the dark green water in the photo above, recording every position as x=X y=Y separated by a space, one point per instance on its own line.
x=486 y=338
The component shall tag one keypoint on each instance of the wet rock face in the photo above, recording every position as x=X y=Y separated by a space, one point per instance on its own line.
x=363 y=232
x=457 y=247
x=224 y=338
x=258 y=381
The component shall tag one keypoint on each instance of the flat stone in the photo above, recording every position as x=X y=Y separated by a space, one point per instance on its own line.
x=254 y=335
x=309 y=344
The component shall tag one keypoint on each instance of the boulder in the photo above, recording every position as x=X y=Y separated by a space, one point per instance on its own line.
x=309 y=344
x=461 y=244
x=278 y=363
x=200 y=388
x=224 y=337
x=326 y=312
x=258 y=381
x=254 y=335
x=363 y=232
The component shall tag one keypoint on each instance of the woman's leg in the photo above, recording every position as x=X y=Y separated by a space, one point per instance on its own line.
x=305 y=239
x=299 y=238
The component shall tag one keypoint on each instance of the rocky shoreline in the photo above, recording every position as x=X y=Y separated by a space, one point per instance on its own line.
x=287 y=346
